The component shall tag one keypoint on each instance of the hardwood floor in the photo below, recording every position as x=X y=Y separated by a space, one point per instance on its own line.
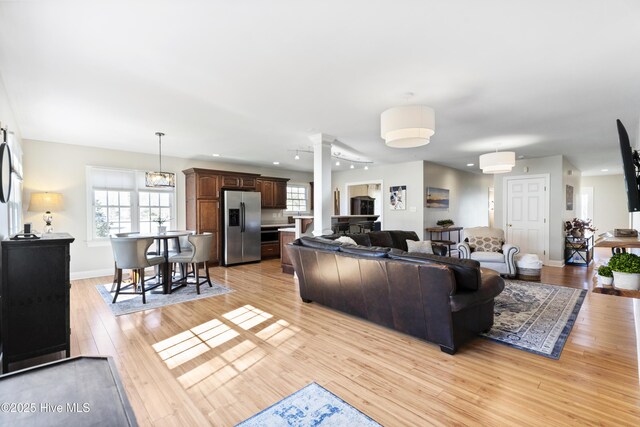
x=219 y=360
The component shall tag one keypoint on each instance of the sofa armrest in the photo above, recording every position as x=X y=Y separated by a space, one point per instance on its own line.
x=439 y=249
x=464 y=250
x=510 y=252
x=491 y=285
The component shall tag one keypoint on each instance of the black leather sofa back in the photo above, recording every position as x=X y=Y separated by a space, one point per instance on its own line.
x=418 y=296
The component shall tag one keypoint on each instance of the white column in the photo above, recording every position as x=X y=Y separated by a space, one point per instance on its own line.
x=322 y=193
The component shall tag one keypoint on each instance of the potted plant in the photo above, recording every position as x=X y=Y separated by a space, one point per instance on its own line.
x=445 y=223
x=605 y=275
x=626 y=270
x=161 y=227
x=577 y=227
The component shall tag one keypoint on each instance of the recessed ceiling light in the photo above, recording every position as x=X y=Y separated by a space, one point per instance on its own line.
x=521 y=156
x=297 y=156
x=338 y=163
x=470 y=164
x=352 y=167
x=276 y=163
x=366 y=168
x=604 y=170
x=216 y=155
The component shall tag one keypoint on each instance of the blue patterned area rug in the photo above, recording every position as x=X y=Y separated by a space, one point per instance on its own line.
x=535 y=317
x=127 y=304
x=311 y=406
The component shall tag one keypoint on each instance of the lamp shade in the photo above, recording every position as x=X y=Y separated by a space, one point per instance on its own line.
x=46 y=202
x=408 y=126
x=498 y=162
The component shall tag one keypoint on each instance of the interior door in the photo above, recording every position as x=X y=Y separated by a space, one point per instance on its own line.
x=525 y=217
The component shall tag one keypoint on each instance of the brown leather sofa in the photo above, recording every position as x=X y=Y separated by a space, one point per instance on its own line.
x=444 y=300
x=389 y=239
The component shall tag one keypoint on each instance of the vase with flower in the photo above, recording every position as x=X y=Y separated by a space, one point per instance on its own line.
x=577 y=227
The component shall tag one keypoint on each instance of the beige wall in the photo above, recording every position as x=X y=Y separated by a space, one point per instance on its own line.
x=62 y=168
x=609 y=201
x=468 y=196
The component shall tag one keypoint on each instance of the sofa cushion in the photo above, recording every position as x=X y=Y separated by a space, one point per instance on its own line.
x=466 y=271
x=423 y=247
x=366 y=251
x=318 y=243
x=381 y=238
x=346 y=240
x=399 y=238
x=485 y=244
x=360 y=238
x=487 y=256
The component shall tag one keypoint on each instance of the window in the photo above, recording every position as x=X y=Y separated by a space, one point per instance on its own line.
x=296 y=198
x=121 y=203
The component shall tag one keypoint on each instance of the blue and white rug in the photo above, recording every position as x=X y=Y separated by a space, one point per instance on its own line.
x=535 y=317
x=311 y=406
x=128 y=303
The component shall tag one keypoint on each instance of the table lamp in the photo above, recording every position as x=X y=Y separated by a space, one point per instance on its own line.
x=46 y=202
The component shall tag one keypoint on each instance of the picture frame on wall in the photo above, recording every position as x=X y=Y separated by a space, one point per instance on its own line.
x=437 y=198
x=569 y=197
x=398 y=197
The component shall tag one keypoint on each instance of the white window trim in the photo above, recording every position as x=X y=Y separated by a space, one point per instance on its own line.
x=135 y=206
x=307 y=187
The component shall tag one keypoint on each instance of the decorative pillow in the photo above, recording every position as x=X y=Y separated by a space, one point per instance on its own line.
x=420 y=247
x=346 y=240
x=485 y=244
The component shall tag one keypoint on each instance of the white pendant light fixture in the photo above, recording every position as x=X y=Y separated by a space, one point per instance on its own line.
x=407 y=126
x=160 y=179
x=498 y=162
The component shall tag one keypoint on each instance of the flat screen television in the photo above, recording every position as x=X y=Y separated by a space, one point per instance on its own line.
x=631 y=167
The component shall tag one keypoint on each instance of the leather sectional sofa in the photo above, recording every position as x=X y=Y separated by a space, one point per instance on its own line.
x=447 y=301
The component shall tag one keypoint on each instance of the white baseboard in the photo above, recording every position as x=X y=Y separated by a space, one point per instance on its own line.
x=554 y=263
x=91 y=273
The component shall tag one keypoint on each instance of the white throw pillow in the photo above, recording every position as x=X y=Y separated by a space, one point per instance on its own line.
x=346 y=240
x=420 y=247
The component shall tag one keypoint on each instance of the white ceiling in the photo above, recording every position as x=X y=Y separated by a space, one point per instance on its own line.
x=253 y=79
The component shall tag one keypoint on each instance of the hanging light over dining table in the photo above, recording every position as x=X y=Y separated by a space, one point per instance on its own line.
x=160 y=178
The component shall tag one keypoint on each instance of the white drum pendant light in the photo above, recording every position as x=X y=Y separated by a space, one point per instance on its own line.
x=408 y=126
x=498 y=162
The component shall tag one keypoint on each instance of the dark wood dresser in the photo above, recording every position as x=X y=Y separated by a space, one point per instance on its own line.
x=34 y=297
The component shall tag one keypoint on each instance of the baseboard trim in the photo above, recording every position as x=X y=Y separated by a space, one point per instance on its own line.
x=91 y=273
x=554 y=263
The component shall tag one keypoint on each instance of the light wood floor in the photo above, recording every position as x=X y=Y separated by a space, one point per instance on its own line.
x=220 y=360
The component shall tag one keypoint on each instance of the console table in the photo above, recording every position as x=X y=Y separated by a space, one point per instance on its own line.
x=578 y=251
x=34 y=297
x=439 y=231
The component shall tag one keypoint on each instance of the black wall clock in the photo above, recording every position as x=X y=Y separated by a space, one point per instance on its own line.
x=5 y=169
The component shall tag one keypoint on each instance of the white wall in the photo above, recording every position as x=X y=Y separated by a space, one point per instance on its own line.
x=62 y=168
x=409 y=174
x=553 y=166
x=609 y=201
x=468 y=196
x=7 y=120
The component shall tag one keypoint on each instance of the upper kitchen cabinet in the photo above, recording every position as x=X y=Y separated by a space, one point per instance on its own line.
x=274 y=192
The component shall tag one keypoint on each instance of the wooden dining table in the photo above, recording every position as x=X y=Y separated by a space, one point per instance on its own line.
x=162 y=244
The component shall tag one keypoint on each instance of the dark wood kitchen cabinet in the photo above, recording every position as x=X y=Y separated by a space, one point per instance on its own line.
x=34 y=297
x=274 y=192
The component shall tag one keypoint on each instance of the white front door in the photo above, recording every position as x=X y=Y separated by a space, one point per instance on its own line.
x=525 y=216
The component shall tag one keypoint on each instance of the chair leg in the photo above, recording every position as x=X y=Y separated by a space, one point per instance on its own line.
x=118 y=284
x=197 y=270
x=206 y=269
x=144 y=295
x=115 y=277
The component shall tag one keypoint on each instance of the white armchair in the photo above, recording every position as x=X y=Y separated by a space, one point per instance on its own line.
x=487 y=246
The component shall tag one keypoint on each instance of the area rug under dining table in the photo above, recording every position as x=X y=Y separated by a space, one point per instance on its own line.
x=535 y=317
x=127 y=304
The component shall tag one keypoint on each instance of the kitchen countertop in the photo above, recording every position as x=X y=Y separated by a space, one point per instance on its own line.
x=282 y=224
x=288 y=229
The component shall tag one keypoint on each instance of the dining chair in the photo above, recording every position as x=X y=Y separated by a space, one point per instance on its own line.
x=134 y=279
x=201 y=253
x=130 y=253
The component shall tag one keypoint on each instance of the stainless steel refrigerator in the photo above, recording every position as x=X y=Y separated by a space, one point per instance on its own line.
x=241 y=226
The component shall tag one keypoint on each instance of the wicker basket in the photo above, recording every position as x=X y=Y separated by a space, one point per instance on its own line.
x=529 y=274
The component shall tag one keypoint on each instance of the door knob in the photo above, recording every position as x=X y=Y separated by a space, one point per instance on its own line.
x=509 y=225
